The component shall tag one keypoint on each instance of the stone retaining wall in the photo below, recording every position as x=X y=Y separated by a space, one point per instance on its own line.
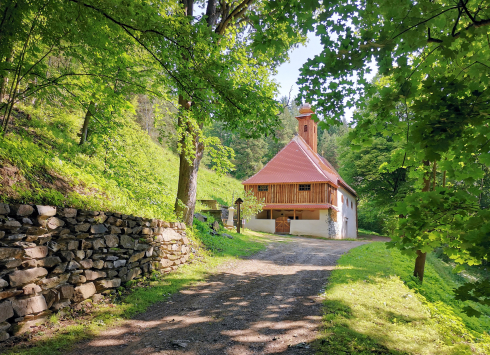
x=53 y=257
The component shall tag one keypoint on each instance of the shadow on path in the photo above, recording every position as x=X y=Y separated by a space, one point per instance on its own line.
x=266 y=304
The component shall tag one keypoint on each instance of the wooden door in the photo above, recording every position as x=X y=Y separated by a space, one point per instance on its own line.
x=282 y=225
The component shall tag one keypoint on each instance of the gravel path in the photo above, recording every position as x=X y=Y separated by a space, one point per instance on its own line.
x=266 y=304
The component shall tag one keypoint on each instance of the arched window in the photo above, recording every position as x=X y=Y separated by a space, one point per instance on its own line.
x=306 y=128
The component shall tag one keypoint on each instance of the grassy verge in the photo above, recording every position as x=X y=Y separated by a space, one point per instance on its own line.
x=362 y=232
x=369 y=310
x=60 y=333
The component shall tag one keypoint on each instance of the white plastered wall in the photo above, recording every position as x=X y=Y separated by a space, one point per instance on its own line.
x=261 y=225
x=316 y=228
x=346 y=217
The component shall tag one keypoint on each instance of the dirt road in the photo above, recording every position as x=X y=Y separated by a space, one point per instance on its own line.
x=266 y=304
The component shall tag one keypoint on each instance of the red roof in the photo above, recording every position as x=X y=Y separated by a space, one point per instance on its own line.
x=297 y=163
x=298 y=207
x=340 y=181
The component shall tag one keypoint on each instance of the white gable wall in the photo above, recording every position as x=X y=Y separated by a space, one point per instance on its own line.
x=346 y=217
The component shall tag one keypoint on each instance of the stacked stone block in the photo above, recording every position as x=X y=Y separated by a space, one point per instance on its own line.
x=53 y=257
x=333 y=225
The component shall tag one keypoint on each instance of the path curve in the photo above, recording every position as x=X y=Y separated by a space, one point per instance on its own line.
x=266 y=304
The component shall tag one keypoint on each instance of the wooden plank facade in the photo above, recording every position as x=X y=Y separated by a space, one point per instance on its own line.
x=291 y=194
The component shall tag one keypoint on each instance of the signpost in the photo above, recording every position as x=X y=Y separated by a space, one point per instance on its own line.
x=238 y=202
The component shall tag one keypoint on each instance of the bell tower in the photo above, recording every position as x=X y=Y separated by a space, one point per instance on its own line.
x=307 y=128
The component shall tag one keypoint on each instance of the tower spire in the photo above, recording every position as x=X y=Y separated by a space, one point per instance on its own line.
x=307 y=128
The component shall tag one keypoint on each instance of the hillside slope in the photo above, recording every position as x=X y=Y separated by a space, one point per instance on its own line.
x=120 y=168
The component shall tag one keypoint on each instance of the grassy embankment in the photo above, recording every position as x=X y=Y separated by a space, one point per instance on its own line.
x=369 y=310
x=120 y=170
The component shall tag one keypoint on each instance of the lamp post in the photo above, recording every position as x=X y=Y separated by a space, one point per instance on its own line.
x=238 y=202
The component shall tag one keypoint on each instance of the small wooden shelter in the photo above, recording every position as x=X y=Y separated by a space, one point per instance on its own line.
x=304 y=194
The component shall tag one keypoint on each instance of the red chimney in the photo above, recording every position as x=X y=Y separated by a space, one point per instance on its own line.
x=306 y=126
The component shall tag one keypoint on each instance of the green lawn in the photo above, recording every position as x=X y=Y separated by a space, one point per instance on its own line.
x=368 y=309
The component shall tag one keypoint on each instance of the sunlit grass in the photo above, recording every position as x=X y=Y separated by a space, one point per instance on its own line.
x=362 y=231
x=370 y=310
x=121 y=170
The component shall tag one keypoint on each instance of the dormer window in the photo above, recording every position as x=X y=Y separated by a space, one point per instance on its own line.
x=305 y=187
x=263 y=187
x=306 y=128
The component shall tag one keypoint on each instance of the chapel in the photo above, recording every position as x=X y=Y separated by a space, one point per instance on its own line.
x=303 y=193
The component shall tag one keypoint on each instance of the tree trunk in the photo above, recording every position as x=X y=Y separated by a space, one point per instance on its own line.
x=420 y=261
x=3 y=85
x=185 y=202
x=434 y=172
x=187 y=188
x=86 y=121
x=4 y=79
x=420 y=265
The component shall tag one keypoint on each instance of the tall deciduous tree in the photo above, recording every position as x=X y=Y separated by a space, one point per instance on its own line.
x=375 y=172
x=218 y=64
x=69 y=51
x=251 y=37
x=435 y=55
